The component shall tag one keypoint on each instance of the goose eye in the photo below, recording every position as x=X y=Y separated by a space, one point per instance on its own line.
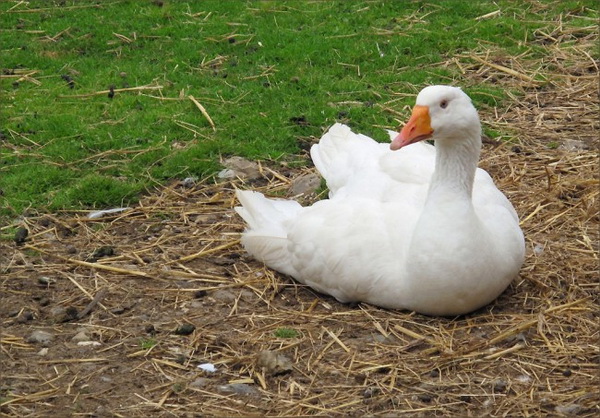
x=444 y=104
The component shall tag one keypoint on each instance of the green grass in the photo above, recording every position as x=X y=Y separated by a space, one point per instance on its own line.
x=286 y=333
x=148 y=343
x=254 y=65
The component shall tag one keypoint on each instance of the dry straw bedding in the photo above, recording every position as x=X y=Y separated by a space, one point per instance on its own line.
x=178 y=261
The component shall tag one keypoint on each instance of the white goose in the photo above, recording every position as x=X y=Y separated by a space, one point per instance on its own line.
x=421 y=229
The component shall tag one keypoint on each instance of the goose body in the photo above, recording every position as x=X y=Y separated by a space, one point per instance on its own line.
x=416 y=227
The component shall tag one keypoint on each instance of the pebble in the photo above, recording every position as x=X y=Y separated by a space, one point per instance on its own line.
x=572 y=409
x=46 y=281
x=40 y=337
x=224 y=295
x=226 y=174
x=574 y=145
x=200 y=382
x=43 y=351
x=240 y=167
x=24 y=317
x=57 y=313
x=305 y=184
x=189 y=182
x=80 y=336
x=274 y=363
x=238 y=388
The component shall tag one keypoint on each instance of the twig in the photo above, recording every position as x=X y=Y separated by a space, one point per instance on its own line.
x=96 y=265
x=99 y=296
x=203 y=111
x=206 y=252
x=103 y=92
x=488 y=15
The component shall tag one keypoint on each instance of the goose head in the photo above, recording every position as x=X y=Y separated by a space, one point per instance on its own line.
x=441 y=113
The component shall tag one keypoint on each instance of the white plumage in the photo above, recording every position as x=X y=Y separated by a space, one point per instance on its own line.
x=420 y=228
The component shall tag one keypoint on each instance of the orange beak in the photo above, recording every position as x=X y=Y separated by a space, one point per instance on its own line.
x=416 y=129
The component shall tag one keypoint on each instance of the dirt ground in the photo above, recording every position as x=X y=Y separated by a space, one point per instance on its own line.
x=131 y=304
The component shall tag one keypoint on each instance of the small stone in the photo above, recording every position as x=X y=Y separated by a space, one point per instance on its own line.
x=434 y=373
x=574 y=145
x=519 y=338
x=189 y=182
x=46 y=281
x=226 y=174
x=80 y=336
x=223 y=295
x=102 y=411
x=237 y=388
x=40 y=337
x=196 y=304
x=305 y=184
x=185 y=329
x=43 y=351
x=25 y=316
x=572 y=409
x=567 y=373
x=241 y=168
x=200 y=382
x=58 y=311
x=274 y=363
